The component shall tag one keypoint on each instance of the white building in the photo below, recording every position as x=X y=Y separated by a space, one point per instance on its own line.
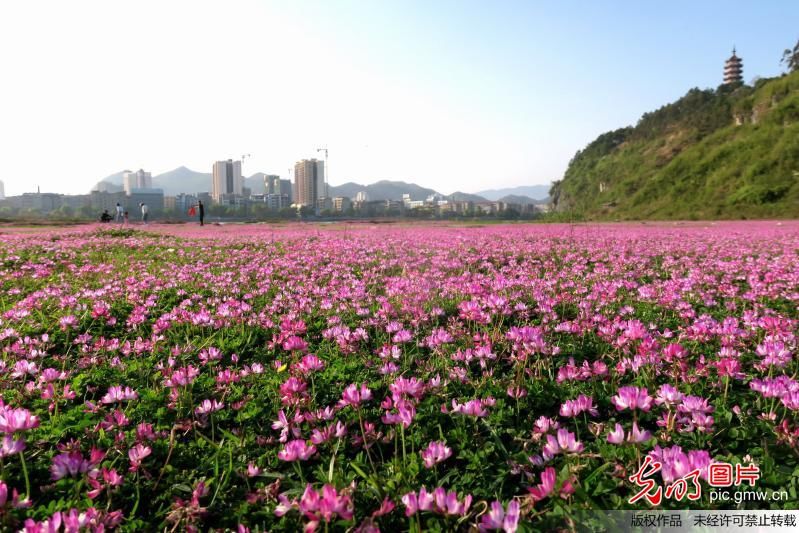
x=136 y=180
x=2 y=190
x=362 y=196
x=226 y=183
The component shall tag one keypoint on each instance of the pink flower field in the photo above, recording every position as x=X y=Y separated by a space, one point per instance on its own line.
x=372 y=377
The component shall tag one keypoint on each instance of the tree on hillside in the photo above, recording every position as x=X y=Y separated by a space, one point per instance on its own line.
x=791 y=58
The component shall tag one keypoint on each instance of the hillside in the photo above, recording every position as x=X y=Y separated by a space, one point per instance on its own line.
x=732 y=152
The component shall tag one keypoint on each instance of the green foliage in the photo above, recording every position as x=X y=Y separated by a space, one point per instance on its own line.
x=791 y=57
x=732 y=152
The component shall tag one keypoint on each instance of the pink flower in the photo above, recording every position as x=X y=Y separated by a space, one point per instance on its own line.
x=137 y=454
x=406 y=387
x=677 y=464
x=294 y=343
x=572 y=408
x=632 y=398
x=182 y=377
x=118 y=394
x=668 y=395
x=209 y=406
x=10 y=446
x=496 y=517
x=617 y=435
x=470 y=408
x=353 y=395
x=405 y=414
x=16 y=419
x=318 y=506
x=296 y=450
x=67 y=322
x=547 y=485
x=447 y=503
x=564 y=442
x=15 y=501
x=517 y=392
x=544 y=425
x=636 y=435
x=439 y=501
x=331 y=504
x=310 y=363
x=436 y=452
x=68 y=464
x=568 y=442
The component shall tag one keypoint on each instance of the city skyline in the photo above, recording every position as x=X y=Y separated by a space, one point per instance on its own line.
x=461 y=96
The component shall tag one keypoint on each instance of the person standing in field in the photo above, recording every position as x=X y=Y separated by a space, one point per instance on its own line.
x=201 y=209
x=125 y=219
x=145 y=211
x=119 y=213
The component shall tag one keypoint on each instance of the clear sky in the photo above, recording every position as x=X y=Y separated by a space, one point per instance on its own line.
x=453 y=95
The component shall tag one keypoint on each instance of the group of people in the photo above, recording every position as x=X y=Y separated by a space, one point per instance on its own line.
x=122 y=215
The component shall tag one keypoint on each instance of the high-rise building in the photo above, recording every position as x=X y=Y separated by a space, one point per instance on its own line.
x=733 y=69
x=2 y=190
x=227 y=183
x=285 y=190
x=136 y=180
x=309 y=182
x=271 y=184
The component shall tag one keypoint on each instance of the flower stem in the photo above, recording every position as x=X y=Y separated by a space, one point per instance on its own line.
x=25 y=472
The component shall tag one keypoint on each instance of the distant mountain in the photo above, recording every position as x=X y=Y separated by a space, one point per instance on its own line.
x=114 y=179
x=179 y=180
x=382 y=190
x=185 y=180
x=537 y=192
x=466 y=197
x=182 y=180
x=256 y=183
x=521 y=199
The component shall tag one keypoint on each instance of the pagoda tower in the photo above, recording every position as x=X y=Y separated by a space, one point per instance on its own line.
x=733 y=69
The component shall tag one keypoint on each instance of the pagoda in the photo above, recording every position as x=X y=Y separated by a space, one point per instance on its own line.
x=733 y=69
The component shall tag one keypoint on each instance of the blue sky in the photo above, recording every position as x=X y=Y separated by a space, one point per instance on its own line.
x=451 y=95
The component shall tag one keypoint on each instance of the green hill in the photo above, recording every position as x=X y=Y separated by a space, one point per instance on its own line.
x=732 y=152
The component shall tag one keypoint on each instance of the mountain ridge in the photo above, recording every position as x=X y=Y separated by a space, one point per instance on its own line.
x=185 y=180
